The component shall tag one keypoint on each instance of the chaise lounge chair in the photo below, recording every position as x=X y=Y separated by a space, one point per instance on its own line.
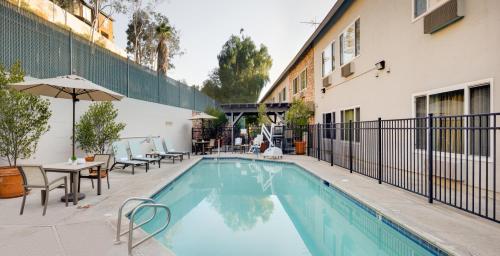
x=138 y=154
x=173 y=151
x=121 y=157
x=160 y=151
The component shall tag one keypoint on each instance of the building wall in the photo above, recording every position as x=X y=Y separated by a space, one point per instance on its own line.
x=306 y=62
x=142 y=119
x=465 y=52
x=274 y=94
x=55 y=14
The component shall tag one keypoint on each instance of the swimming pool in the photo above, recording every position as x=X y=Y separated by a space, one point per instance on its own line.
x=247 y=207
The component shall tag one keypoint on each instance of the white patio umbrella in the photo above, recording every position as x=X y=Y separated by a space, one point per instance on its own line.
x=68 y=87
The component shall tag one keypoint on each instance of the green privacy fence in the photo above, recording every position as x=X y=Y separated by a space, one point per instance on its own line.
x=46 y=50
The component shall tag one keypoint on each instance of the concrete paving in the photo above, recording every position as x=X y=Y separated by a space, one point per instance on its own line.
x=90 y=231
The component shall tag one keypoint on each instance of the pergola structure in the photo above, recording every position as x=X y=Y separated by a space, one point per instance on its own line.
x=234 y=111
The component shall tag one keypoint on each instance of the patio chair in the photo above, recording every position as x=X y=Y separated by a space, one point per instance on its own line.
x=92 y=174
x=34 y=176
x=137 y=153
x=237 y=143
x=121 y=157
x=173 y=151
x=211 y=145
x=193 y=146
x=158 y=148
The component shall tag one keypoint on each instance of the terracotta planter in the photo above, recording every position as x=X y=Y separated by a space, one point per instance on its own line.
x=11 y=182
x=264 y=146
x=300 y=147
x=89 y=159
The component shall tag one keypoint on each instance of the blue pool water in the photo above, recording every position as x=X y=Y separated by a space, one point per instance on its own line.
x=245 y=207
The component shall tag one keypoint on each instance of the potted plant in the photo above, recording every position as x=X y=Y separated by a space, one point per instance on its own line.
x=263 y=119
x=298 y=116
x=97 y=129
x=23 y=120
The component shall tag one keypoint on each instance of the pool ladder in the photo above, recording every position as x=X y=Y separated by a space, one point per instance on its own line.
x=147 y=203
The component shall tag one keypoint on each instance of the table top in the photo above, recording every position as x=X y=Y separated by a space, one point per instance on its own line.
x=202 y=142
x=67 y=167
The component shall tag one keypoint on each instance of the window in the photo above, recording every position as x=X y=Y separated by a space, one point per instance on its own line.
x=350 y=43
x=303 y=79
x=282 y=95
x=86 y=13
x=295 y=85
x=328 y=59
x=347 y=116
x=327 y=124
x=421 y=122
x=452 y=103
x=419 y=8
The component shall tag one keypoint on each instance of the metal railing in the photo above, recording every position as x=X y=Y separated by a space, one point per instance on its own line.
x=147 y=203
x=450 y=159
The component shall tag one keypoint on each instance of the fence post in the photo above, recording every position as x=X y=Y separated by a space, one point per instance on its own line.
x=128 y=77
x=319 y=141
x=70 y=52
x=331 y=144
x=350 y=145
x=430 y=161
x=379 y=150
x=158 y=86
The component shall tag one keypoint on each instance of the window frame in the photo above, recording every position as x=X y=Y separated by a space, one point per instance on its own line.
x=295 y=85
x=341 y=39
x=332 y=67
x=466 y=87
x=427 y=11
x=356 y=136
x=303 y=72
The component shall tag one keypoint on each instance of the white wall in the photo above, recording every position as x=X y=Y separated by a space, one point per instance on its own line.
x=142 y=119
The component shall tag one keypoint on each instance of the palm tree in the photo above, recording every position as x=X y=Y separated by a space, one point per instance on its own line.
x=164 y=33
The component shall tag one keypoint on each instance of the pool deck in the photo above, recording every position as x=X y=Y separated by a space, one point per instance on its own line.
x=90 y=231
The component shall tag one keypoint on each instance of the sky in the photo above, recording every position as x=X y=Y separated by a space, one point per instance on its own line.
x=206 y=25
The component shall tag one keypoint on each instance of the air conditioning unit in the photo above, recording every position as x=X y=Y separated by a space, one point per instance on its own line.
x=348 y=69
x=326 y=81
x=443 y=16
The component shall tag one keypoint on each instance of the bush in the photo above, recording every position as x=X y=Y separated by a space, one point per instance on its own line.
x=23 y=118
x=97 y=128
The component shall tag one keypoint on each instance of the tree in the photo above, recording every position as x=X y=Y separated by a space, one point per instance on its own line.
x=23 y=118
x=143 y=40
x=299 y=113
x=262 y=118
x=243 y=71
x=164 y=33
x=98 y=128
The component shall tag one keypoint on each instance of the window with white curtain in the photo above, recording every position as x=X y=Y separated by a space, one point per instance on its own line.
x=350 y=43
x=448 y=107
x=328 y=59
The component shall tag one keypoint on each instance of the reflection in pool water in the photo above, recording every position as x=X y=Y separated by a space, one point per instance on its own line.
x=244 y=207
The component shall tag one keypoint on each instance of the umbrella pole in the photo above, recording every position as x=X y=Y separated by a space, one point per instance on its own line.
x=73 y=137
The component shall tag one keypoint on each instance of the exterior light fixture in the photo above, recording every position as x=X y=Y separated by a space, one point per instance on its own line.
x=323 y=90
x=380 y=65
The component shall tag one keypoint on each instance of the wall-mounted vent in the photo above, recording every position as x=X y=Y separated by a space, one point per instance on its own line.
x=443 y=16
x=326 y=81
x=348 y=69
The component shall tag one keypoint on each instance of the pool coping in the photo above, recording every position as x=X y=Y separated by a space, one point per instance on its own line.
x=405 y=230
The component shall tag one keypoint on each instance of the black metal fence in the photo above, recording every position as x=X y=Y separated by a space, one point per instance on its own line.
x=450 y=159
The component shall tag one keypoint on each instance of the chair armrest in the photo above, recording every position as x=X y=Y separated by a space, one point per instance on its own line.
x=58 y=179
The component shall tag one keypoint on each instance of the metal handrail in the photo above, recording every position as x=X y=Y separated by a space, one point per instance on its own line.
x=131 y=225
x=118 y=225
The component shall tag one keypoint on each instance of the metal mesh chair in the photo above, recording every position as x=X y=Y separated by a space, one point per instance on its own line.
x=34 y=176
x=92 y=174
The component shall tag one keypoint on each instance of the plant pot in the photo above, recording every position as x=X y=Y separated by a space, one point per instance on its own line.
x=264 y=146
x=89 y=159
x=11 y=182
x=300 y=147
